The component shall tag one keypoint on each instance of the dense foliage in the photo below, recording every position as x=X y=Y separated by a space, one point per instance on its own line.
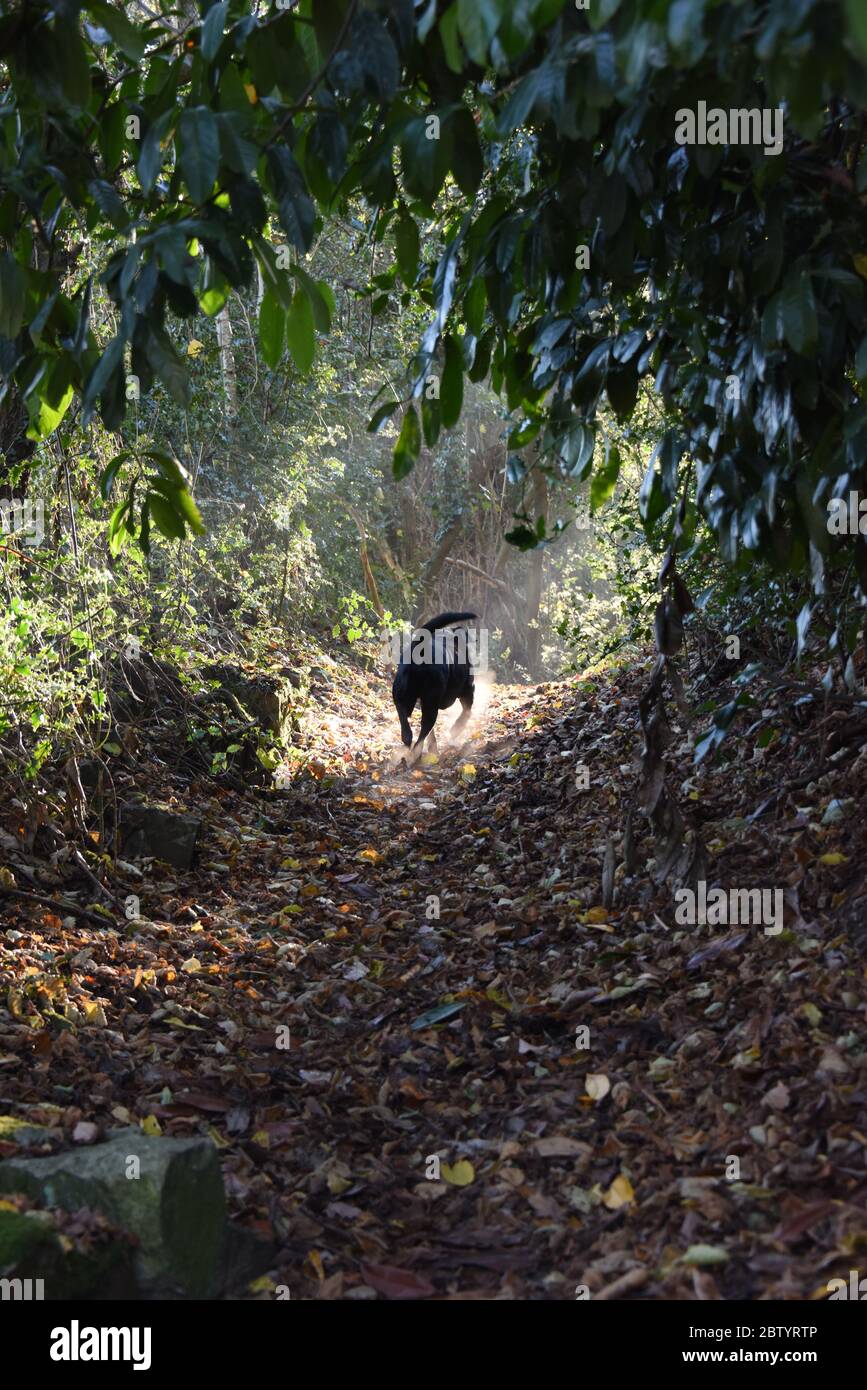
x=494 y=193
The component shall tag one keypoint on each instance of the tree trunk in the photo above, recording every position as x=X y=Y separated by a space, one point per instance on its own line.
x=447 y=541
x=534 y=579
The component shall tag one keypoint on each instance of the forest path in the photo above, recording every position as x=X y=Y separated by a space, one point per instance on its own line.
x=434 y=1063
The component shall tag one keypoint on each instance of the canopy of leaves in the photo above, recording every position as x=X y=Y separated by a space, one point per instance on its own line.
x=582 y=248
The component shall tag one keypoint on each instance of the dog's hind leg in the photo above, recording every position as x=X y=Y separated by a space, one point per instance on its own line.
x=405 y=730
x=462 y=719
x=428 y=719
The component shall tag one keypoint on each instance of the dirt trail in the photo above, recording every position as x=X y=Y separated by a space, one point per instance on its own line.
x=435 y=1065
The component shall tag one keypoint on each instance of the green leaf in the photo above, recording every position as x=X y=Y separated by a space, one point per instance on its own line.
x=478 y=22
x=467 y=163
x=474 y=306
x=123 y=33
x=685 y=19
x=406 y=242
x=173 y=472
x=167 y=519
x=798 y=312
x=321 y=298
x=151 y=156
x=408 y=446
x=100 y=376
x=300 y=331
x=212 y=30
x=12 y=292
x=167 y=364
x=372 y=45
x=604 y=480
x=577 y=448
x=295 y=206
x=431 y=419
x=448 y=31
x=272 y=327
x=49 y=401
x=452 y=389
x=118 y=533
x=186 y=507
x=110 y=472
x=213 y=300
x=856 y=14
x=538 y=85
x=424 y=160
x=380 y=416
x=199 y=151
x=75 y=68
x=109 y=201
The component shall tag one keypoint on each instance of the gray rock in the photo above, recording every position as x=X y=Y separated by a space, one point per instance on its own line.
x=176 y=1207
x=148 y=830
x=28 y=1136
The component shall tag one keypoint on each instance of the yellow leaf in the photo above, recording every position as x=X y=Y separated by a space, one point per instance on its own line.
x=252 y=95
x=468 y=772
x=290 y=863
x=264 y=1284
x=596 y=914
x=461 y=1175
x=835 y=858
x=194 y=347
x=514 y=760
x=337 y=1184
x=315 y=1260
x=192 y=966
x=15 y=1003
x=151 y=1125
x=597 y=1085
x=372 y=854
x=7 y=878
x=94 y=1012
x=262 y=1138
x=619 y=1194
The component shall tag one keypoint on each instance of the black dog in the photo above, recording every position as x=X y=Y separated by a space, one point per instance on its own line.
x=436 y=682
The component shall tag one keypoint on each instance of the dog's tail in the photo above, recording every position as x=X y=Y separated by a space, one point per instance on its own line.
x=446 y=620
